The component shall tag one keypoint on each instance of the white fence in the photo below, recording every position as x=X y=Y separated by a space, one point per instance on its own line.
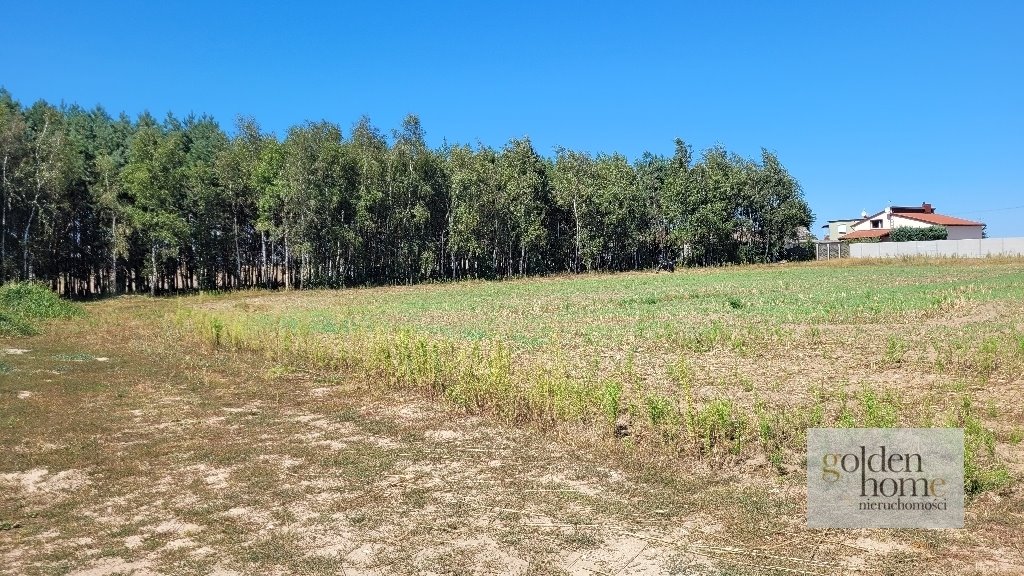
x=948 y=248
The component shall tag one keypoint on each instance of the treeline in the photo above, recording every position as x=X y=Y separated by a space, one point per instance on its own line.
x=95 y=204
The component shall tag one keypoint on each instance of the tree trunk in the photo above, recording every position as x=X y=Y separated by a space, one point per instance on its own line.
x=3 y=225
x=24 y=243
x=287 y=274
x=3 y=243
x=238 y=255
x=576 y=217
x=152 y=261
x=264 y=275
x=113 y=255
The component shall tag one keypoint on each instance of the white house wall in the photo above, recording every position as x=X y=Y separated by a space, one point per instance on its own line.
x=896 y=221
x=866 y=225
x=899 y=222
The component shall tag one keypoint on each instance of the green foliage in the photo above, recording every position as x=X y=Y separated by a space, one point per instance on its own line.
x=13 y=325
x=982 y=470
x=94 y=203
x=972 y=356
x=660 y=410
x=718 y=425
x=22 y=303
x=878 y=411
x=611 y=400
x=1016 y=436
x=911 y=233
x=895 y=349
x=35 y=300
x=800 y=250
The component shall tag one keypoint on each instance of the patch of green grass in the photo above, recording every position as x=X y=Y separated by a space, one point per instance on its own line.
x=1016 y=436
x=719 y=425
x=983 y=471
x=879 y=410
x=660 y=411
x=607 y=308
x=13 y=325
x=22 y=303
x=611 y=400
x=35 y=300
x=594 y=350
x=895 y=348
x=980 y=352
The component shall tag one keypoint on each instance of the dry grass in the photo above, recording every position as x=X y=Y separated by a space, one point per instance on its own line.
x=167 y=457
x=719 y=364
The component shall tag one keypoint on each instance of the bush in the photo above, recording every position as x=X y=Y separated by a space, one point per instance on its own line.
x=800 y=251
x=911 y=234
x=11 y=325
x=23 y=302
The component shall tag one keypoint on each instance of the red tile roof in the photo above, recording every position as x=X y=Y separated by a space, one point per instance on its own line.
x=937 y=219
x=876 y=233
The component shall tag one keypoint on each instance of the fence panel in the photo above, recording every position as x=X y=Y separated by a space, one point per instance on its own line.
x=949 y=248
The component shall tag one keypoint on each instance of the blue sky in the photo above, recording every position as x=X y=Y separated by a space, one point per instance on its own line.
x=866 y=103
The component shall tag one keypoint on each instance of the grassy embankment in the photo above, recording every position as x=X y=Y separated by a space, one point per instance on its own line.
x=25 y=304
x=721 y=366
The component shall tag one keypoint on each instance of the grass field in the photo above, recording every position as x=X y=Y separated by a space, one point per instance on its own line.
x=702 y=362
x=628 y=424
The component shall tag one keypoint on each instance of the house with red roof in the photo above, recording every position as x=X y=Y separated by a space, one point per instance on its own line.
x=879 y=225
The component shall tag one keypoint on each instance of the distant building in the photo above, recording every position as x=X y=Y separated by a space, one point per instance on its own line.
x=837 y=228
x=878 y=225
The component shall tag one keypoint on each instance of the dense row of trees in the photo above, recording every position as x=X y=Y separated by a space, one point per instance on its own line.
x=96 y=204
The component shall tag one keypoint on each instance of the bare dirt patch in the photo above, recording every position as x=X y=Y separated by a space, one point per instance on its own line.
x=115 y=566
x=41 y=480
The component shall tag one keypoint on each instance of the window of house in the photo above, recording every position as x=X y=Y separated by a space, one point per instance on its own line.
x=842 y=228
x=876 y=223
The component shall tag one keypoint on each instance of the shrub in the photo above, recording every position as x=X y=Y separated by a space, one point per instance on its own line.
x=23 y=302
x=806 y=250
x=911 y=234
x=11 y=325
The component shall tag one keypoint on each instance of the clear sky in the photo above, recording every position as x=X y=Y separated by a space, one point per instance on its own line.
x=866 y=103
